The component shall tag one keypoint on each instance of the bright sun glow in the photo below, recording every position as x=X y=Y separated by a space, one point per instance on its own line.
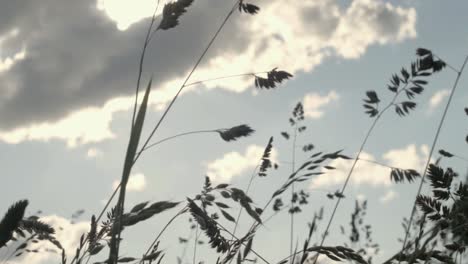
x=125 y=13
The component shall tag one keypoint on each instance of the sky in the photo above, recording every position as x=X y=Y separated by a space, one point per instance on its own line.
x=67 y=77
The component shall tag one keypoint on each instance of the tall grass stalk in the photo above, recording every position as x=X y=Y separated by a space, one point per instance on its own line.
x=348 y=177
x=434 y=142
x=363 y=144
x=115 y=240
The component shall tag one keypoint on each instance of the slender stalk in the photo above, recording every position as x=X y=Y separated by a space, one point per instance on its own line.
x=195 y=245
x=175 y=97
x=246 y=192
x=175 y=136
x=434 y=142
x=410 y=244
x=349 y=176
x=148 y=37
x=361 y=148
x=291 y=223
x=115 y=251
x=189 y=75
x=460 y=157
x=388 y=261
x=184 y=251
x=243 y=243
x=224 y=77
x=162 y=231
x=448 y=65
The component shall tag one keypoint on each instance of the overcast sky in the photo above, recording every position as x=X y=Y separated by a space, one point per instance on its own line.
x=68 y=71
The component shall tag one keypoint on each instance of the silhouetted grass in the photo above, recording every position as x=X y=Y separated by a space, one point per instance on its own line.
x=439 y=233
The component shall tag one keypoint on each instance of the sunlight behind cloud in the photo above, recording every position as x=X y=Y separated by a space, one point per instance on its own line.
x=125 y=13
x=285 y=28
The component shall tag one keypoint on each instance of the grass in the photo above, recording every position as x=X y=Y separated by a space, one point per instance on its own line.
x=436 y=230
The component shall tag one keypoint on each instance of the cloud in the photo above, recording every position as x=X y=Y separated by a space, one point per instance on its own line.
x=437 y=98
x=313 y=103
x=136 y=183
x=376 y=22
x=75 y=65
x=388 y=196
x=368 y=173
x=7 y=61
x=361 y=197
x=85 y=126
x=93 y=153
x=124 y=13
x=67 y=233
x=235 y=164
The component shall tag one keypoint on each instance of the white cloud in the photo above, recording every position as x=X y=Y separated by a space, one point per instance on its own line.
x=313 y=103
x=388 y=196
x=296 y=36
x=367 y=173
x=67 y=234
x=93 y=153
x=136 y=183
x=234 y=164
x=369 y=22
x=437 y=98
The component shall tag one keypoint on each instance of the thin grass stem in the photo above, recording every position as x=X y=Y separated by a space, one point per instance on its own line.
x=190 y=75
x=434 y=142
x=291 y=223
x=175 y=136
x=162 y=231
x=361 y=148
x=243 y=243
x=148 y=37
x=224 y=77
x=195 y=245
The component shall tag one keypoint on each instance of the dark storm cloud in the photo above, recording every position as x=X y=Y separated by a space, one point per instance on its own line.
x=76 y=57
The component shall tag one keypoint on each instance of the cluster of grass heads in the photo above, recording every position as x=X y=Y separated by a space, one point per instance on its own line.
x=436 y=230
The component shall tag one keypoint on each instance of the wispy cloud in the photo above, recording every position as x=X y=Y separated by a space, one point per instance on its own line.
x=234 y=164
x=367 y=173
x=93 y=153
x=437 y=98
x=314 y=103
x=136 y=183
x=388 y=196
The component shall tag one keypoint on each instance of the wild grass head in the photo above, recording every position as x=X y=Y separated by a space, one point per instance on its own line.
x=299 y=200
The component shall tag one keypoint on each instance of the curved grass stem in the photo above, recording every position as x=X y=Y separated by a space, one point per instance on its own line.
x=361 y=148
